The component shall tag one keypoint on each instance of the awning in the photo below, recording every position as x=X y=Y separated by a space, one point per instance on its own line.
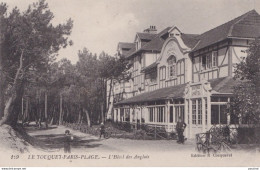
x=159 y=94
x=154 y=65
x=223 y=85
x=220 y=86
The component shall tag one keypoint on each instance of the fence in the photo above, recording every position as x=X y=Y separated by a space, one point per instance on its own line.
x=128 y=131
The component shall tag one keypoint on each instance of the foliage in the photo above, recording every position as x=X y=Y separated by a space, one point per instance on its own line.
x=29 y=44
x=246 y=102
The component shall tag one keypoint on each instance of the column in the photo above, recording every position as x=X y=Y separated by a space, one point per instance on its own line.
x=209 y=113
x=173 y=111
x=186 y=116
x=167 y=115
x=131 y=115
x=124 y=113
x=190 y=117
x=146 y=114
x=203 y=114
x=141 y=112
x=118 y=114
x=155 y=114
x=228 y=114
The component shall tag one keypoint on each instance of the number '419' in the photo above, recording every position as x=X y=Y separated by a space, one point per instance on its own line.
x=15 y=157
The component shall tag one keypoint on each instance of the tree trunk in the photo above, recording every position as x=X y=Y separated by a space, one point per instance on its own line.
x=102 y=113
x=79 y=117
x=88 y=119
x=1 y=78
x=60 y=117
x=2 y=105
x=46 y=110
x=12 y=108
x=110 y=105
x=22 y=117
x=26 y=110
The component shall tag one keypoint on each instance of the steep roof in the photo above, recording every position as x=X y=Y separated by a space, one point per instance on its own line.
x=126 y=45
x=155 y=44
x=246 y=25
x=190 y=39
x=145 y=36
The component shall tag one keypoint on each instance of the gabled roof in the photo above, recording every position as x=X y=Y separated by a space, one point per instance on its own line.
x=190 y=39
x=145 y=36
x=126 y=45
x=246 y=26
x=154 y=45
x=157 y=42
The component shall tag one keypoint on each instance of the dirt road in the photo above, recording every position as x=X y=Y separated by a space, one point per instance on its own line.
x=52 y=139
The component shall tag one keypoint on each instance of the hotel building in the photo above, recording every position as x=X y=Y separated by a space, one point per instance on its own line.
x=174 y=74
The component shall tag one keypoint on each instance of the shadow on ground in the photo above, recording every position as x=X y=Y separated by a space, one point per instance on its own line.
x=32 y=128
x=56 y=141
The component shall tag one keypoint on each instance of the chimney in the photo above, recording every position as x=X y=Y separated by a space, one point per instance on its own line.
x=151 y=30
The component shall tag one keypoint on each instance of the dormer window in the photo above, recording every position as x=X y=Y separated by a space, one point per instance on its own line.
x=172 y=66
x=171 y=35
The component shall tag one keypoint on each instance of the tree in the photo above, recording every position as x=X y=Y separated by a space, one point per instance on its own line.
x=111 y=70
x=246 y=101
x=29 y=44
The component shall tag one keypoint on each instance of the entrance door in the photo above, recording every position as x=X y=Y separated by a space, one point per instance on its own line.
x=179 y=113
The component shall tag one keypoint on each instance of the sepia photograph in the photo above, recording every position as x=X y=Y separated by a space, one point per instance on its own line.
x=129 y=83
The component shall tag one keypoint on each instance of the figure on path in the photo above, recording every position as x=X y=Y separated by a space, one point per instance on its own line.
x=180 y=129
x=102 y=130
x=67 y=142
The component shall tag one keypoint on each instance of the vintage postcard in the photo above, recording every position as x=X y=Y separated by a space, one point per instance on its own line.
x=98 y=83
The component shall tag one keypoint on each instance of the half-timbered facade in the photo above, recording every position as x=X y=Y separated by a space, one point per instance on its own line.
x=175 y=74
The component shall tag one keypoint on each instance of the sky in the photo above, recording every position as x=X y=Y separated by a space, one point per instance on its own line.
x=100 y=24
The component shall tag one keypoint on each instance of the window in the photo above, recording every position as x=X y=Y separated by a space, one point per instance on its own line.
x=206 y=111
x=122 y=114
x=151 y=114
x=179 y=113
x=162 y=73
x=214 y=59
x=142 y=61
x=203 y=62
x=194 y=111
x=157 y=114
x=210 y=60
x=127 y=114
x=172 y=66
x=199 y=112
x=160 y=114
x=218 y=114
x=171 y=114
x=153 y=76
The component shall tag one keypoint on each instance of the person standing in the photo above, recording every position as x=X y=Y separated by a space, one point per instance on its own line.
x=67 y=142
x=180 y=129
x=102 y=130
